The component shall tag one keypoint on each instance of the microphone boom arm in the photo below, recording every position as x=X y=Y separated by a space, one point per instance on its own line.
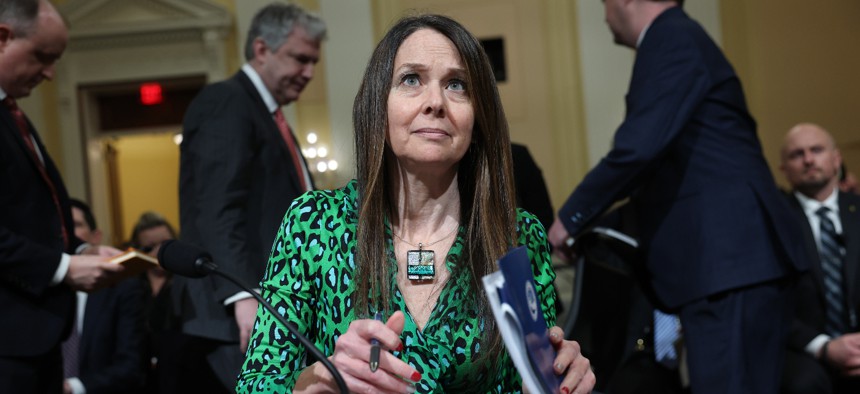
x=212 y=268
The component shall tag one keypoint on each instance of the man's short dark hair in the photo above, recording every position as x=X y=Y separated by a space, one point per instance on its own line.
x=20 y=14
x=88 y=213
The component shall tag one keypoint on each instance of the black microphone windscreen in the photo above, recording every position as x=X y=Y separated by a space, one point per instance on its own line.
x=181 y=258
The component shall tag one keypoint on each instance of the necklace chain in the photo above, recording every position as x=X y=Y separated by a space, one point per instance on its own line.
x=436 y=287
x=421 y=245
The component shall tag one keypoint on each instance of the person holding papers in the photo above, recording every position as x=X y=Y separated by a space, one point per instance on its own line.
x=430 y=213
x=105 y=352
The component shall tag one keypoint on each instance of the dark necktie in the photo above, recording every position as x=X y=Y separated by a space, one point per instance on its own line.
x=24 y=129
x=291 y=146
x=71 y=354
x=830 y=253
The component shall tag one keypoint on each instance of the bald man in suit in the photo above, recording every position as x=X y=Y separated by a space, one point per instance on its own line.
x=823 y=357
x=39 y=267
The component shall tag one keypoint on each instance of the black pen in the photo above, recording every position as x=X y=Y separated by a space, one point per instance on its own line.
x=374 y=347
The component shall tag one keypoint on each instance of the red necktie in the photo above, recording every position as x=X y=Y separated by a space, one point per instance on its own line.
x=291 y=145
x=24 y=129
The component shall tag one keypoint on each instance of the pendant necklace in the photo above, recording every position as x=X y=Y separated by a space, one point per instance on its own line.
x=421 y=263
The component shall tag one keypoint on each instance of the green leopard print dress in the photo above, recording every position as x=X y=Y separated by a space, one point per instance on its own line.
x=309 y=281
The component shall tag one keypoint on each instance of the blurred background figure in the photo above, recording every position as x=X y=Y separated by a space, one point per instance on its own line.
x=529 y=185
x=633 y=347
x=40 y=264
x=847 y=181
x=106 y=352
x=166 y=341
x=824 y=344
x=240 y=168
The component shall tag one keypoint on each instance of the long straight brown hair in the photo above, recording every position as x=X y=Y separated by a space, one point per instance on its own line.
x=485 y=175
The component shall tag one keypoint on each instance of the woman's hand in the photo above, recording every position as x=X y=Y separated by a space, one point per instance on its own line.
x=578 y=376
x=352 y=359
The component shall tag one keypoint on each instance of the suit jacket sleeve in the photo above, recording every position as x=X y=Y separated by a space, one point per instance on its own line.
x=27 y=261
x=669 y=81
x=26 y=265
x=223 y=148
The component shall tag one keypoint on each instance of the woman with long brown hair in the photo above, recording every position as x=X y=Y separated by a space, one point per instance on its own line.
x=432 y=210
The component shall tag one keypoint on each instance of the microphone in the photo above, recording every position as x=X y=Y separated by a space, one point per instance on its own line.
x=185 y=259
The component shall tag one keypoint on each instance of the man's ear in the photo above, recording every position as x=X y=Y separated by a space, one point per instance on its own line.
x=6 y=35
x=260 y=49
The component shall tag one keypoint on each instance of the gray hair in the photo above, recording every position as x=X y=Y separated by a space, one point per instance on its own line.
x=20 y=14
x=274 y=23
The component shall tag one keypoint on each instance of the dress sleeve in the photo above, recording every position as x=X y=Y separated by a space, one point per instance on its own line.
x=533 y=235
x=276 y=358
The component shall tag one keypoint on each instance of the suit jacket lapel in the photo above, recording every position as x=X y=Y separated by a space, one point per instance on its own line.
x=12 y=127
x=92 y=314
x=850 y=217
x=811 y=246
x=269 y=121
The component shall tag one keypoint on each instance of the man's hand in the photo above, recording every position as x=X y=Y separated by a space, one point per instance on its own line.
x=843 y=353
x=89 y=273
x=101 y=250
x=561 y=241
x=245 y=312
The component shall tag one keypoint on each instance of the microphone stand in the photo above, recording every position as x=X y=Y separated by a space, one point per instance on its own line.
x=212 y=268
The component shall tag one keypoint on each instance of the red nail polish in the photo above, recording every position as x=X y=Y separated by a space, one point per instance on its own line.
x=415 y=376
x=565 y=390
x=399 y=347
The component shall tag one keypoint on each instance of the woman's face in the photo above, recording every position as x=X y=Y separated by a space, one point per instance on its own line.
x=430 y=115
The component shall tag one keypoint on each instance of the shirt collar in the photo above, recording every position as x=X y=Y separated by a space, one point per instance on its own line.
x=642 y=34
x=811 y=205
x=271 y=104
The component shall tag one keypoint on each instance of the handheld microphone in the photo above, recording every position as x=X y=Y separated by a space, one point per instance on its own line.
x=185 y=259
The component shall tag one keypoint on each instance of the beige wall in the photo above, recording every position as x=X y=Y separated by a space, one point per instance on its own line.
x=148 y=164
x=542 y=95
x=799 y=63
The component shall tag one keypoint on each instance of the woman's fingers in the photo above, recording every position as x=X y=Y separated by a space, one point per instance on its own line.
x=578 y=376
x=352 y=357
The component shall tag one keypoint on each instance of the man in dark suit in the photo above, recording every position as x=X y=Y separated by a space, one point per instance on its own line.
x=240 y=169
x=823 y=354
x=110 y=322
x=38 y=271
x=716 y=234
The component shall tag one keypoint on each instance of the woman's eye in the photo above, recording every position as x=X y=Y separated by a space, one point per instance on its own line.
x=457 y=85
x=410 y=80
